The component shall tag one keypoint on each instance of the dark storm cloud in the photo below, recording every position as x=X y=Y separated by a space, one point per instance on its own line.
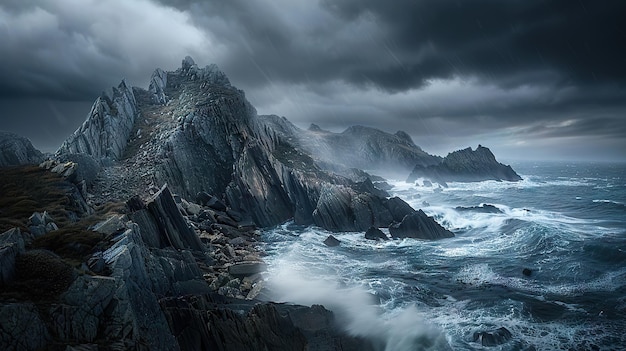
x=402 y=44
x=501 y=40
x=58 y=50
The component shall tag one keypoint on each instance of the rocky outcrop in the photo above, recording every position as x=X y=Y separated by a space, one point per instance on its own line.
x=466 y=165
x=483 y=208
x=158 y=82
x=105 y=132
x=419 y=226
x=493 y=337
x=16 y=150
x=357 y=147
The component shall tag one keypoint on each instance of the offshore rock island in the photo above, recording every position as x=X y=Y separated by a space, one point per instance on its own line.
x=143 y=230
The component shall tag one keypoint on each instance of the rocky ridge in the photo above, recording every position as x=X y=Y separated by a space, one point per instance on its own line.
x=466 y=165
x=197 y=133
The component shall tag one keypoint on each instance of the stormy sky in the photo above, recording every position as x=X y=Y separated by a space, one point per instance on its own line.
x=529 y=79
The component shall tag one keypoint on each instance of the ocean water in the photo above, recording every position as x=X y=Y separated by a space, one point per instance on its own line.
x=566 y=222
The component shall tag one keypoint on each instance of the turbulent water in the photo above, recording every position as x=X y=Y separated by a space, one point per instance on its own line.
x=566 y=222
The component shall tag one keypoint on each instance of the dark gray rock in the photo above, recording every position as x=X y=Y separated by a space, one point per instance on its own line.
x=419 y=226
x=375 y=234
x=527 y=272
x=16 y=150
x=331 y=241
x=244 y=269
x=398 y=208
x=493 y=337
x=172 y=227
x=211 y=322
x=366 y=186
x=465 y=165
x=483 y=208
x=22 y=327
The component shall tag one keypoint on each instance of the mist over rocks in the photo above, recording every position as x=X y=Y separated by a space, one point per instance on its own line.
x=357 y=147
x=16 y=150
x=466 y=165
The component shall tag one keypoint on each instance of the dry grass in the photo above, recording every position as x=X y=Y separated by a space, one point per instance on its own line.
x=28 y=189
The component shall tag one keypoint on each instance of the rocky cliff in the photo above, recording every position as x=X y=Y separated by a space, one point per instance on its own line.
x=16 y=150
x=466 y=165
x=164 y=274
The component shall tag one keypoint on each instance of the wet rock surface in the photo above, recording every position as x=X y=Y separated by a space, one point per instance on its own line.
x=419 y=226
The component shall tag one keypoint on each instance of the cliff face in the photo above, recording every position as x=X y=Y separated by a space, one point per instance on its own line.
x=16 y=150
x=466 y=165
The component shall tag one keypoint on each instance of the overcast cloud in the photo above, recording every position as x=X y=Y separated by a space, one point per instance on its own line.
x=530 y=79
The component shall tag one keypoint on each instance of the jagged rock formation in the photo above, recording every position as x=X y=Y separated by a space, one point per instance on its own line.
x=105 y=132
x=197 y=133
x=16 y=150
x=466 y=165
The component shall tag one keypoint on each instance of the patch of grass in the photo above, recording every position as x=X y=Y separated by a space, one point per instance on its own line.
x=74 y=242
x=40 y=275
x=28 y=189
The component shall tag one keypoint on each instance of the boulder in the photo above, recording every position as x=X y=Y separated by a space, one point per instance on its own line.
x=375 y=234
x=493 y=337
x=244 y=269
x=419 y=226
x=331 y=241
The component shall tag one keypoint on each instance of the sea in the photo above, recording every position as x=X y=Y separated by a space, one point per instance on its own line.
x=564 y=223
